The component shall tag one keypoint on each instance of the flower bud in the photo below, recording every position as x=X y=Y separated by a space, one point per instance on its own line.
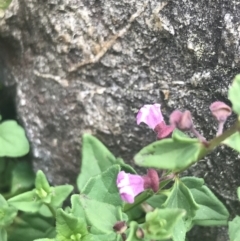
x=175 y=117
x=151 y=180
x=120 y=227
x=220 y=111
x=140 y=233
x=182 y=120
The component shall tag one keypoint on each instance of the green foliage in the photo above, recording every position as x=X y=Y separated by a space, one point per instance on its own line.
x=180 y=197
x=13 y=141
x=233 y=94
x=211 y=211
x=70 y=228
x=43 y=194
x=161 y=222
x=103 y=220
x=103 y=187
x=165 y=154
x=233 y=141
x=3 y=234
x=4 y=5
x=98 y=213
x=234 y=229
x=133 y=227
x=7 y=213
x=94 y=152
x=28 y=227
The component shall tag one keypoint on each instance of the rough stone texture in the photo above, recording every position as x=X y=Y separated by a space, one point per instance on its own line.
x=180 y=53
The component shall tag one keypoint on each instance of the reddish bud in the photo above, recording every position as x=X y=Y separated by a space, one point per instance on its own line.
x=120 y=227
x=151 y=180
x=175 y=117
x=182 y=120
x=220 y=111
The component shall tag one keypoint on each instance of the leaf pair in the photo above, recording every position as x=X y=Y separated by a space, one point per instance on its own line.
x=40 y=197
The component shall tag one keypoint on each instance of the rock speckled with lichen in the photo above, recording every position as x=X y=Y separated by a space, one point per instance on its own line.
x=180 y=53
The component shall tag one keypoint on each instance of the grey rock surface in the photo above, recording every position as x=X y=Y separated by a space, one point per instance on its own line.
x=89 y=65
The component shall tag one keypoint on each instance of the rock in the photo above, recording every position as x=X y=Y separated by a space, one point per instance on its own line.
x=88 y=66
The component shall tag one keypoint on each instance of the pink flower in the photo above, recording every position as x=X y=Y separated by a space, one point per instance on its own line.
x=150 y=115
x=220 y=111
x=129 y=186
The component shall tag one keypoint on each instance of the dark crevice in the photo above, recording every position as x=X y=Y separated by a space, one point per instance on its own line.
x=7 y=93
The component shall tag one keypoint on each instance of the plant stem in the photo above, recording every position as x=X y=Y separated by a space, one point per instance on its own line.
x=220 y=128
x=217 y=140
x=139 y=199
x=211 y=145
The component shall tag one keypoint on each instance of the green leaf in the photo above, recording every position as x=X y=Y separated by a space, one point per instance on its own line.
x=182 y=137
x=4 y=4
x=180 y=197
x=102 y=216
x=6 y=167
x=28 y=227
x=161 y=222
x=77 y=208
x=179 y=231
x=106 y=237
x=96 y=158
x=233 y=141
x=44 y=239
x=172 y=154
x=7 y=213
x=43 y=188
x=70 y=228
x=211 y=212
x=27 y=202
x=13 y=141
x=16 y=176
x=103 y=187
x=3 y=234
x=233 y=94
x=125 y=167
x=238 y=193
x=234 y=229
x=22 y=177
x=60 y=194
x=157 y=200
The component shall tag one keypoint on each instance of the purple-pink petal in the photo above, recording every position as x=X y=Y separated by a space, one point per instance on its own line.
x=164 y=130
x=150 y=115
x=129 y=186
